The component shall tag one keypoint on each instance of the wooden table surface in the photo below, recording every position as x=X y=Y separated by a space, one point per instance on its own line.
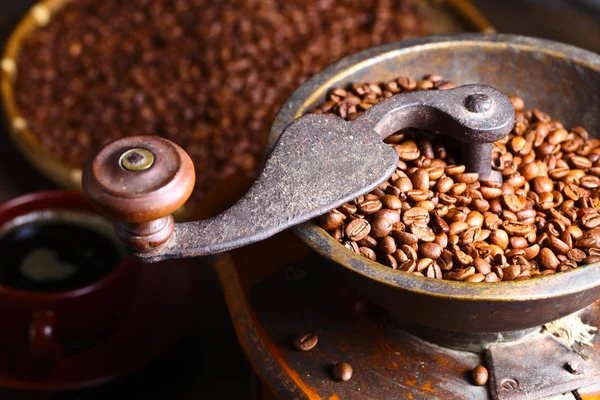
x=220 y=369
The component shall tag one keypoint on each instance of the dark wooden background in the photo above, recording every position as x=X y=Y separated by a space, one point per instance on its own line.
x=218 y=367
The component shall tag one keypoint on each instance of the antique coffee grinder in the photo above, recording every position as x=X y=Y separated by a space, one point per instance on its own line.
x=319 y=162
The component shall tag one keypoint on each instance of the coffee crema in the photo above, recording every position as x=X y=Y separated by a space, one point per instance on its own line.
x=55 y=254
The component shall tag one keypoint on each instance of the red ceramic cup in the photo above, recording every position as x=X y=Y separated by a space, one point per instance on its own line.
x=38 y=328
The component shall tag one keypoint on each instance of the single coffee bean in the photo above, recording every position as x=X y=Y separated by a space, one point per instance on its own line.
x=347 y=209
x=332 y=220
x=576 y=255
x=547 y=259
x=358 y=229
x=350 y=245
x=390 y=261
x=452 y=170
x=415 y=215
x=342 y=371
x=499 y=238
x=369 y=242
x=482 y=266
x=542 y=184
x=407 y=151
x=420 y=179
x=491 y=277
x=476 y=277
x=591 y=220
x=370 y=206
x=387 y=245
x=430 y=250
x=368 y=252
x=306 y=342
x=464 y=273
x=404 y=237
x=391 y=202
x=381 y=227
x=422 y=232
x=512 y=272
x=557 y=245
x=424 y=263
x=516 y=228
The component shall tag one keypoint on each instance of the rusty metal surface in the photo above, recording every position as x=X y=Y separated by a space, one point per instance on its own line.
x=560 y=79
x=533 y=369
x=387 y=361
x=321 y=162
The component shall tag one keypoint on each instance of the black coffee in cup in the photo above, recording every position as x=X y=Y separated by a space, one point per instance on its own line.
x=55 y=255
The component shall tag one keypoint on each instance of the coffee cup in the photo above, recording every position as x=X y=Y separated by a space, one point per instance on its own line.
x=65 y=281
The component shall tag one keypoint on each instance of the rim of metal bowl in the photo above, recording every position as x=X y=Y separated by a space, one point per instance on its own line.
x=314 y=89
x=38 y=16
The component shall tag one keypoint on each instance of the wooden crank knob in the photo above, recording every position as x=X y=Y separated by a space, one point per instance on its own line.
x=139 y=181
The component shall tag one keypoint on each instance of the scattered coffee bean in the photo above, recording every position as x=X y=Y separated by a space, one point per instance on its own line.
x=306 y=342
x=342 y=371
x=480 y=375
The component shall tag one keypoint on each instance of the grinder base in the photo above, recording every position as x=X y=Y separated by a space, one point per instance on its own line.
x=388 y=361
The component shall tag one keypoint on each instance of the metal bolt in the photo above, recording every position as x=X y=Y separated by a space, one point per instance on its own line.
x=509 y=384
x=574 y=367
x=478 y=103
x=137 y=160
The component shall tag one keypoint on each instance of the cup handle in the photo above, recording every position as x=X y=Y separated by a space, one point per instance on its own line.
x=42 y=343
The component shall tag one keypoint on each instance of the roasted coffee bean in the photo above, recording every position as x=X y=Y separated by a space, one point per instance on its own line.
x=482 y=266
x=391 y=202
x=404 y=237
x=547 y=259
x=387 y=245
x=422 y=232
x=350 y=245
x=512 y=272
x=424 y=263
x=576 y=255
x=369 y=242
x=542 y=184
x=415 y=215
x=500 y=238
x=342 y=371
x=390 y=261
x=368 y=252
x=332 y=220
x=407 y=151
x=542 y=219
x=430 y=250
x=347 y=209
x=557 y=245
x=358 y=229
x=381 y=227
x=370 y=206
x=306 y=342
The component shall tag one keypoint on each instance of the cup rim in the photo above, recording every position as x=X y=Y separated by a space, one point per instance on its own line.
x=68 y=200
x=306 y=96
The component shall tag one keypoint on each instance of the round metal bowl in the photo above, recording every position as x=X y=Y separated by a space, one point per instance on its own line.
x=559 y=79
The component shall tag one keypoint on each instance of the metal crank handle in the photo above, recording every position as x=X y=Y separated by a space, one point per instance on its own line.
x=318 y=163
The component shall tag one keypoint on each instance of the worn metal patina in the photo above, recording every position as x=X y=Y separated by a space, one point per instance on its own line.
x=560 y=79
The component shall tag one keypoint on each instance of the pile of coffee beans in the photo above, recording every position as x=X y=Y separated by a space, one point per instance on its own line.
x=208 y=75
x=434 y=219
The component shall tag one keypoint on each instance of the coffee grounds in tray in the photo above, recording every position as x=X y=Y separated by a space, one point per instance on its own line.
x=432 y=218
x=208 y=75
